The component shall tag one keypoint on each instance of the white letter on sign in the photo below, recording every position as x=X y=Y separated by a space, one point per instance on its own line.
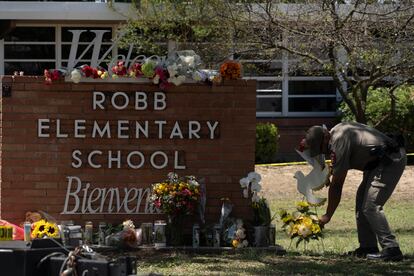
x=41 y=127
x=74 y=194
x=159 y=101
x=98 y=101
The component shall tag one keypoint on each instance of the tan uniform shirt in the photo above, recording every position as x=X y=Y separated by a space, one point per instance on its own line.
x=350 y=146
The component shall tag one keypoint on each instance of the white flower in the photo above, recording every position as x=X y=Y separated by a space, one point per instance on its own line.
x=304 y=230
x=255 y=187
x=172 y=70
x=313 y=217
x=156 y=79
x=245 y=243
x=296 y=215
x=245 y=193
x=75 y=76
x=244 y=182
x=188 y=60
x=254 y=177
x=193 y=182
x=255 y=197
x=177 y=80
x=128 y=224
x=197 y=76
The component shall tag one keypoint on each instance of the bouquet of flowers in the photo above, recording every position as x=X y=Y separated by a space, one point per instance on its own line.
x=123 y=235
x=230 y=70
x=302 y=224
x=176 y=196
x=44 y=229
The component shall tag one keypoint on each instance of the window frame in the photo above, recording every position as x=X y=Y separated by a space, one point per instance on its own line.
x=58 y=43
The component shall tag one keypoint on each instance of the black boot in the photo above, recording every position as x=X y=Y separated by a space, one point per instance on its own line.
x=393 y=254
x=361 y=252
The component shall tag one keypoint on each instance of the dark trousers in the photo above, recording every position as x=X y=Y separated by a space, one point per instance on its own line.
x=374 y=191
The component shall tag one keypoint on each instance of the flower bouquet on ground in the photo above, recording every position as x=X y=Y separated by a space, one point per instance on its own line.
x=176 y=197
x=302 y=224
x=124 y=236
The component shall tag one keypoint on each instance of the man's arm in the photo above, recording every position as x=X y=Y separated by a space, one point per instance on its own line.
x=334 y=196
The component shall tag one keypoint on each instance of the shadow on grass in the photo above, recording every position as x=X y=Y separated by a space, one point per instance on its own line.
x=251 y=262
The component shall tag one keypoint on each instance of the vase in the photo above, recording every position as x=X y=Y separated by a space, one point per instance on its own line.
x=175 y=231
x=261 y=236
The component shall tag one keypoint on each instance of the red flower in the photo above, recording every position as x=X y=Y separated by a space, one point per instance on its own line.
x=302 y=145
x=135 y=70
x=95 y=73
x=119 y=69
x=87 y=70
x=55 y=75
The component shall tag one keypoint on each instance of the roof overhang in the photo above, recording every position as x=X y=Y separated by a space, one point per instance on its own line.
x=65 y=11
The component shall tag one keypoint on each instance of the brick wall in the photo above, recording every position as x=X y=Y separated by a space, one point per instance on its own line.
x=291 y=132
x=34 y=170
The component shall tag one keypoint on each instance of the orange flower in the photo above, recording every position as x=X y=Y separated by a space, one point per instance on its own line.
x=230 y=70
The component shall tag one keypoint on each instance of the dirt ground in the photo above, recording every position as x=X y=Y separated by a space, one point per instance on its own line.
x=278 y=183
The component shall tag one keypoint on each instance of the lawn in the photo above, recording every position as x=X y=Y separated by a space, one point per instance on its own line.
x=318 y=259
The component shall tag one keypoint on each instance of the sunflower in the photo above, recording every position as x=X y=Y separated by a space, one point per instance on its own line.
x=52 y=230
x=39 y=229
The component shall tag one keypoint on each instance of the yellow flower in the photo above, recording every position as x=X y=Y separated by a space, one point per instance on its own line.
x=39 y=229
x=52 y=230
x=292 y=229
x=287 y=218
x=235 y=243
x=304 y=230
x=307 y=221
x=302 y=205
x=315 y=228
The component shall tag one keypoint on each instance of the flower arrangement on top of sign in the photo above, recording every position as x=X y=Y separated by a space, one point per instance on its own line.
x=164 y=72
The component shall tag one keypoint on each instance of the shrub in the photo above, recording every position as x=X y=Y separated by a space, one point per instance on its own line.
x=266 y=142
x=379 y=106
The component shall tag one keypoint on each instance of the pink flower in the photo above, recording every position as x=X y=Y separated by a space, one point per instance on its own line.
x=157 y=203
x=119 y=69
x=48 y=76
x=302 y=145
x=55 y=75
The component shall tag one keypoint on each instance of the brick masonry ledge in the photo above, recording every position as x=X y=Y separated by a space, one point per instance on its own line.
x=146 y=251
x=41 y=79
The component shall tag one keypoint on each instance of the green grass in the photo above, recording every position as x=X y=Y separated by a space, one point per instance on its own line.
x=340 y=237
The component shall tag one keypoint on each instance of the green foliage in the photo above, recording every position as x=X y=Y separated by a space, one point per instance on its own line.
x=262 y=214
x=189 y=24
x=266 y=142
x=379 y=115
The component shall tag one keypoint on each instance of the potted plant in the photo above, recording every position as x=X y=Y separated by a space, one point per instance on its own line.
x=262 y=216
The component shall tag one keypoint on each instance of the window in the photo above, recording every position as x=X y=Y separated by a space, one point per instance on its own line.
x=269 y=96
x=312 y=94
x=32 y=49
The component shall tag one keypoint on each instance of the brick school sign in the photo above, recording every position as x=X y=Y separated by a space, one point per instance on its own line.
x=91 y=151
